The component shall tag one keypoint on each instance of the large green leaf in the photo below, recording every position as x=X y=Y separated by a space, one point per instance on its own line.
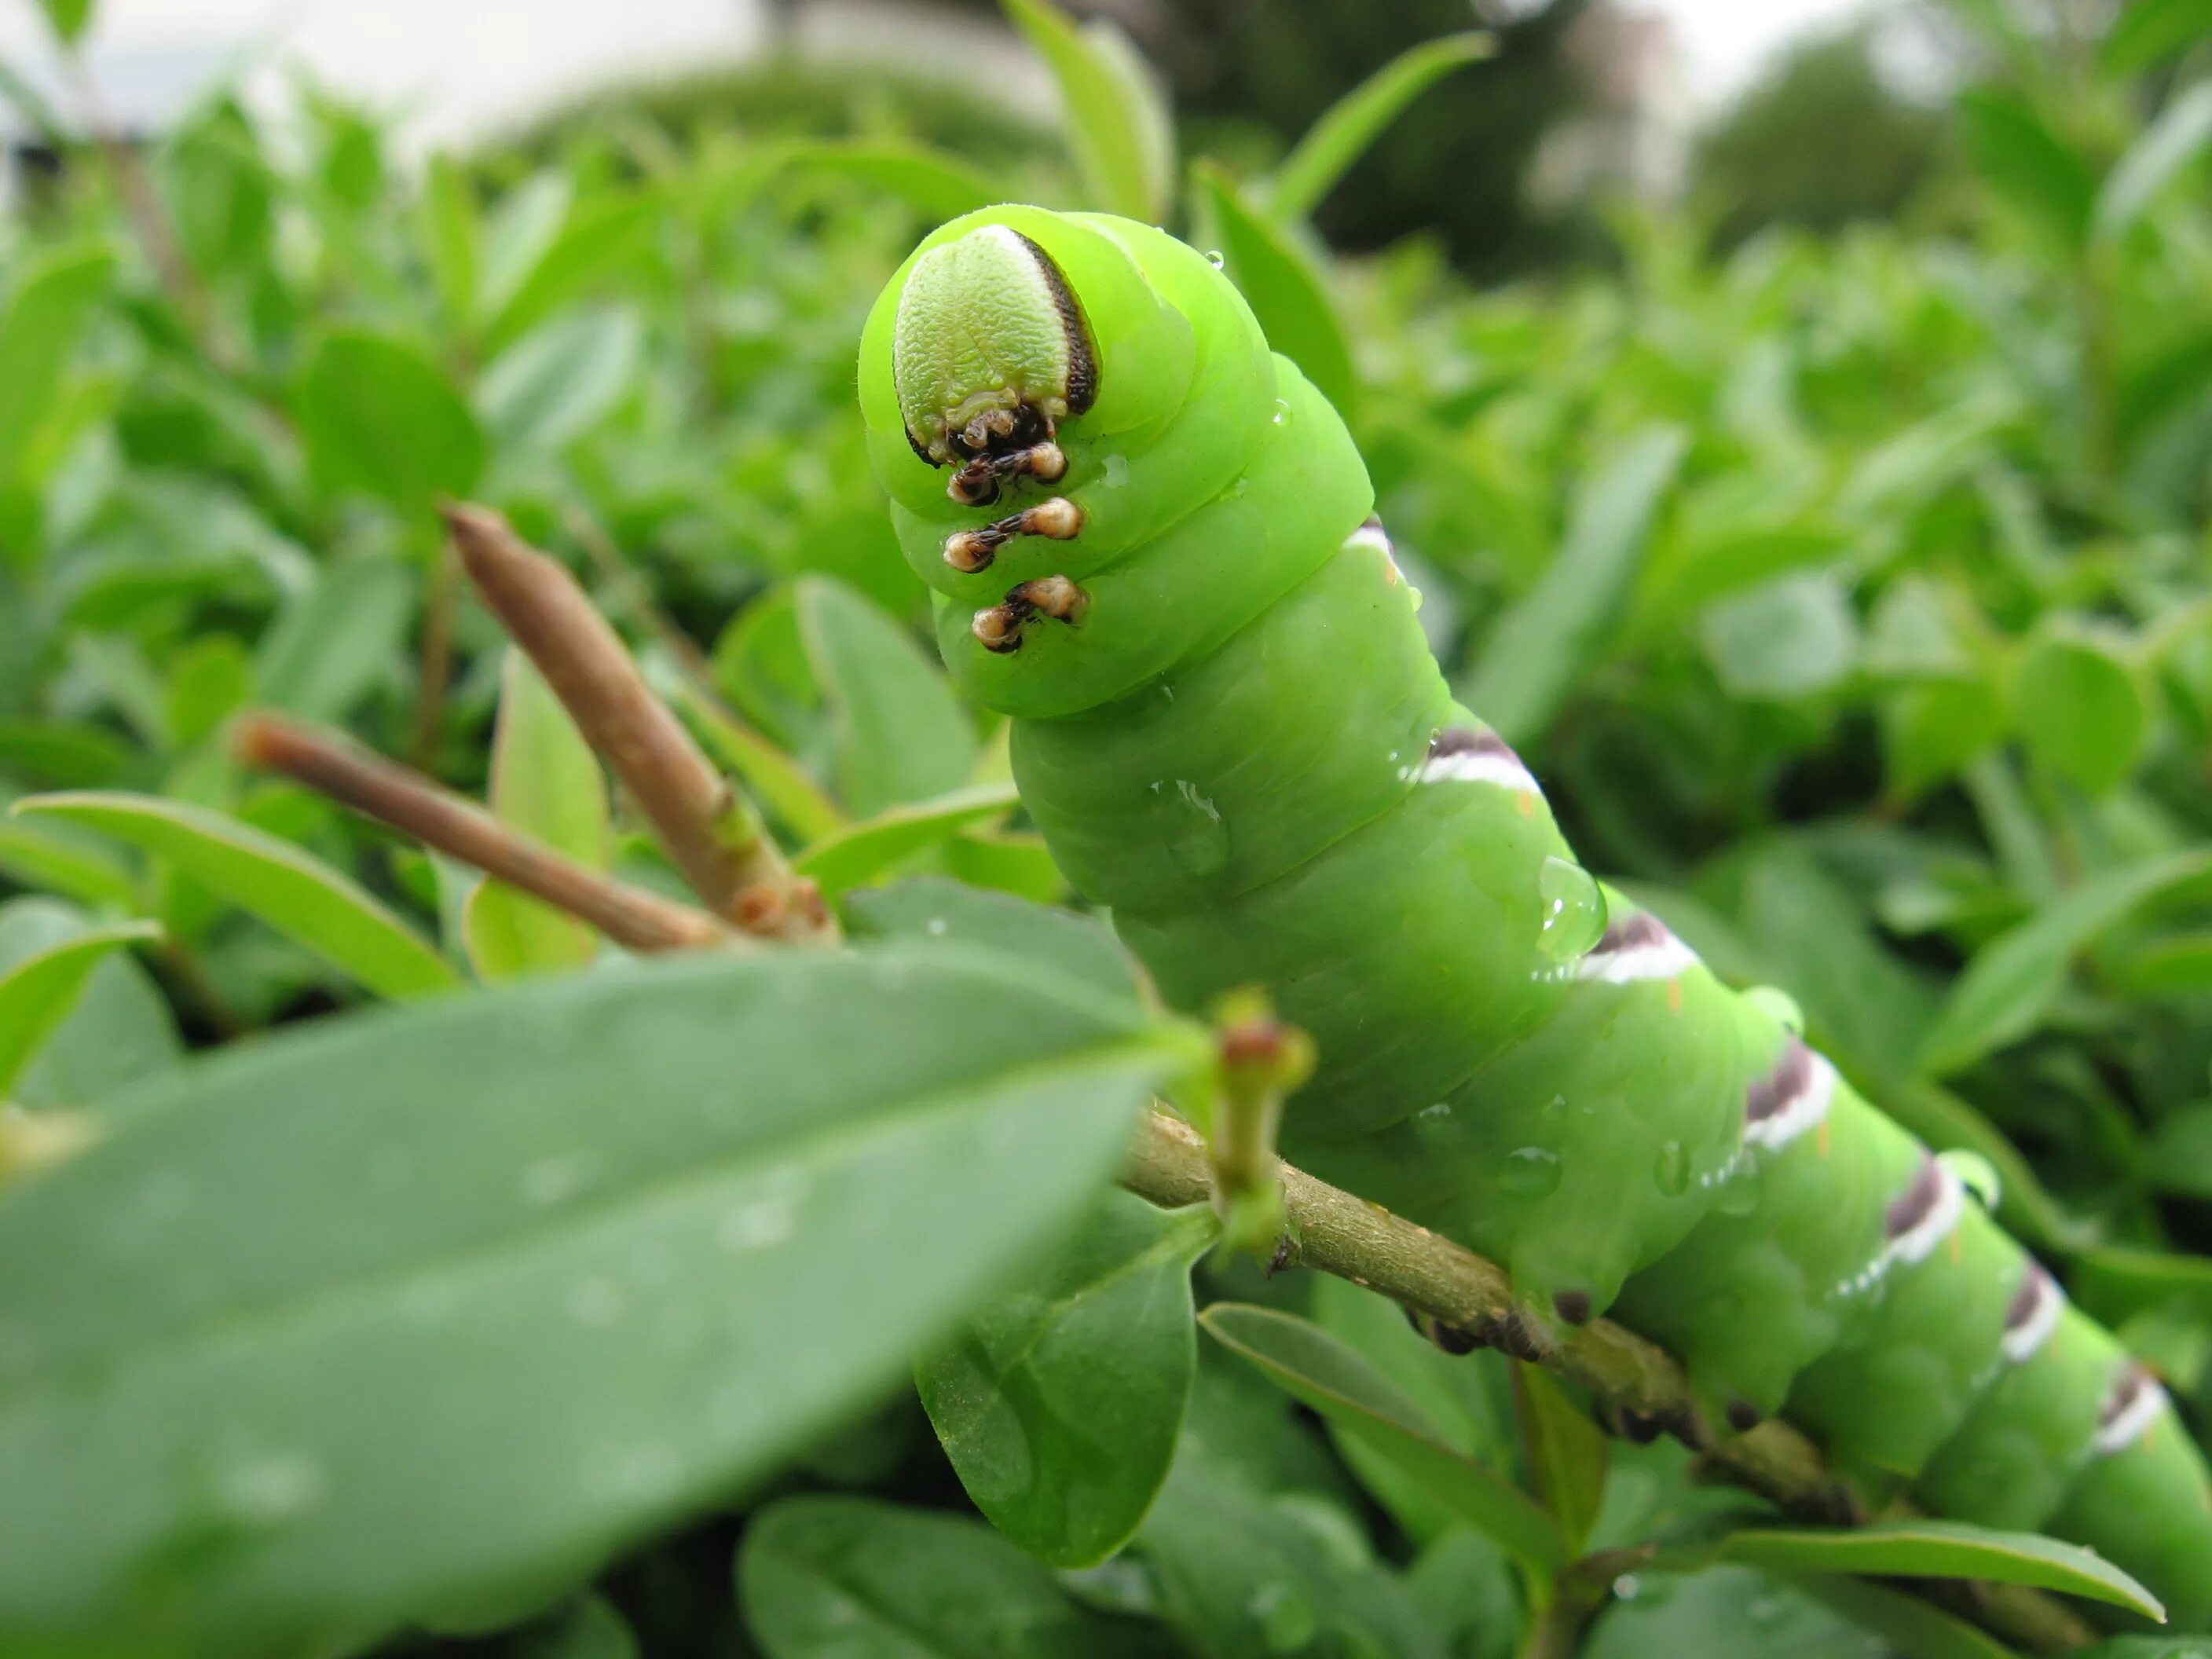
x=52 y=303
x=853 y=1578
x=2012 y=981
x=426 y=1311
x=285 y=886
x=1059 y=1401
x=2080 y=708
x=546 y=782
x=1079 y=948
x=1347 y=127
x=1317 y=1369
x=39 y=992
x=1939 y=1549
x=1533 y=653
x=377 y=415
x=1278 y=280
x=900 y=734
x=1118 y=123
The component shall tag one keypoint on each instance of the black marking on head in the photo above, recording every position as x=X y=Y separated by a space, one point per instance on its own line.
x=1464 y=740
x=1743 y=1417
x=1917 y=1202
x=1082 y=354
x=1573 y=1306
x=1773 y=1094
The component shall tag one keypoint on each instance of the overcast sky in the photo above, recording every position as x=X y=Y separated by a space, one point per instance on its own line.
x=459 y=65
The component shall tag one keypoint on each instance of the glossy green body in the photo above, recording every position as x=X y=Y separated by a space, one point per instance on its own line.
x=1240 y=744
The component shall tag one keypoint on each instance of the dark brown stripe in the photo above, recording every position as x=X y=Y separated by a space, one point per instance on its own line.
x=1082 y=356
x=1773 y=1093
x=1633 y=932
x=1461 y=740
x=2034 y=1286
x=2127 y=1389
x=1917 y=1202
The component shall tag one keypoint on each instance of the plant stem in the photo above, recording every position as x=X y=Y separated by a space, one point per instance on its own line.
x=706 y=826
x=408 y=802
x=1340 y=1233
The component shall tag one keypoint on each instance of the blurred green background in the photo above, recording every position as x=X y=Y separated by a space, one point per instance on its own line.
x=1813 y=487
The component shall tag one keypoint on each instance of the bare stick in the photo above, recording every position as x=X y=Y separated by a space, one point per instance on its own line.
x=410 y=802
x=1342 y=1234
x=706 y=826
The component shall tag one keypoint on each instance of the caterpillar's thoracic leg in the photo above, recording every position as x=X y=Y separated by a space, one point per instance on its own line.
x=1059 y=518
x=978 y=483
x=999 y=626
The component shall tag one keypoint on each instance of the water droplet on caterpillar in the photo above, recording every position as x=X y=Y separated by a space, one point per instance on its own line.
x=1671 y=1174
x=1114 y=471
x=1190 y=828
x=1574 y=911
x=1213 y=258
x=1531 y=1172
x=1282 y=411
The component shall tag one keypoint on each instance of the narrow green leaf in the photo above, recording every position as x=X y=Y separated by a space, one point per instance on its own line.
x=68 y=18
x=1316 y=1369
x=1566 y=1452
x=1059 y=1401
x=860 y=852
x=333 y=645
x=432 y=1310
x=294 y=892
x=377 y=415
x=1117 y=121
x=941 y=186
x=900 y=734
x=1548 y=637
x=1347 y=127
x=53 y=302
x=119 y=1030
x=558 y=381
x=774 y=778
x=1280 y=283
x=2146 y=32
x=74 y=867
x=2012 y=981
x=2018 y=152
x=2154 y=161
x=38 y=994
x=522 y=228
x=1941 y=1549
x=598 y=239
x=546 y=782
x=858 y=1577
x=1079 y=948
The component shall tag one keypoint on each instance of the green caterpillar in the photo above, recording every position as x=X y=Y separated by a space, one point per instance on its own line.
x=1154 y=550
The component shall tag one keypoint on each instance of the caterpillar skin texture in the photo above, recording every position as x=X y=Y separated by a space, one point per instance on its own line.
x=1149 y=542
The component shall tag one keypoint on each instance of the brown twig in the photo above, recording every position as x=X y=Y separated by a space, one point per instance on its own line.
x=407 y=801
x=1340 y=1233
x=706 y=826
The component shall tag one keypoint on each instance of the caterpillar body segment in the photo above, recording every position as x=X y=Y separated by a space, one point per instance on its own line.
x=1149 y=542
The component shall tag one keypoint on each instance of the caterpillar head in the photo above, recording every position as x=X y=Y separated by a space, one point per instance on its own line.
x=990 y=351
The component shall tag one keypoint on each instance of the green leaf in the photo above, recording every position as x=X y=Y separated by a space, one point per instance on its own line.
x=68 y=18
x=1794 y=636
x=1548 y=637
x=942 y=186
x=774 y=778
x=1917 y=1628
x=863 y=851
x=2013 y=981
x=1941 y=1549
x=521 y=231
x=2082 y=711
x=546 y=782
x=1317 y=1369
x=2154 y=161
x=333 y=645
x=2119 y=1282
x=1282 y=286
x=38 y=992
x=453 y=238
x=821 y=1577
x=2146 y=32
x=1566 y=1450
x=377 y=415
x=595 y=242
x=1932 y=730
x=294 y=892
x=1730 y=1612
x=588 y=1628
x=2017 y=152
x=1347 y=127
x=55 y=297
x=558 y=381
x=1117 y=122
x=1078 y=948
x=1060 y=1401
x=75 y=867
x=424 y=1313
x=900 y=734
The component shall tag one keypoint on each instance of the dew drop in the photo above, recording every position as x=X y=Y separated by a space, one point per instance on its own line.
x=1190 y=829
x=936 y=928
x=1282 y=411
x=1213 y=258
x=268 y=1488
x=1574 y=911
x=1531 y=1172
x=1114 y=471
x=1672 y=1173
